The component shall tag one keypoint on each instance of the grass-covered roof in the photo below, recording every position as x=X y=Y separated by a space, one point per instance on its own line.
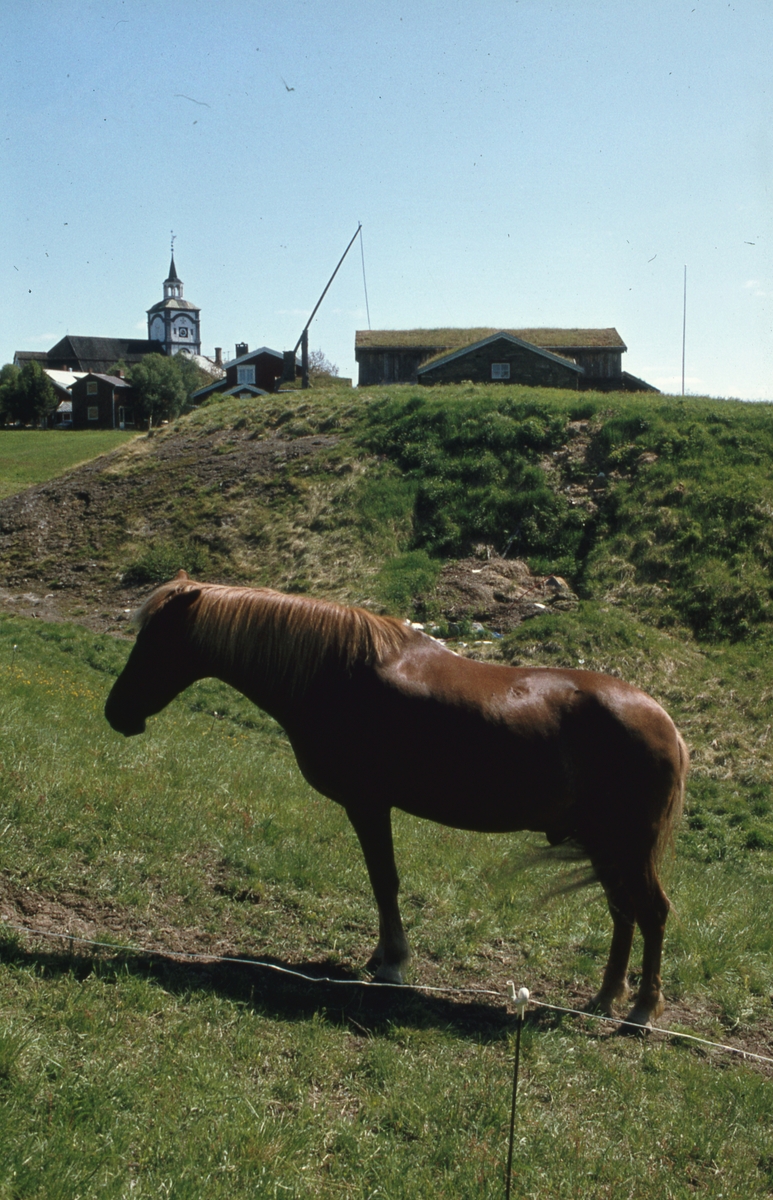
x=454 y=339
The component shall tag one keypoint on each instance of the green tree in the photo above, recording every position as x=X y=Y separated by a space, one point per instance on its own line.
x=9 y=375
x=192 y=375
x=26 y=395
x=163 y=386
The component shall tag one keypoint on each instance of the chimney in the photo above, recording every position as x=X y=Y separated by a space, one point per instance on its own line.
x=218 y=356
x=241 y=348
x=119 y=374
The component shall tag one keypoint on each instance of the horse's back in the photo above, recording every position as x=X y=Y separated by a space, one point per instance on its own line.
x=539 y=702
x=486 y=746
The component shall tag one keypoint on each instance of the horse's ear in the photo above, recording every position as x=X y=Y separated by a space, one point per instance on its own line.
x=185 y=596
x=179 y=597
x=182 y=574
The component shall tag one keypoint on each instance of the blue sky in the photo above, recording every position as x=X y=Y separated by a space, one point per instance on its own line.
x=514 y=163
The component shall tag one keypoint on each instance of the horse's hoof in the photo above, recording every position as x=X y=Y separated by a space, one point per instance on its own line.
x=638 y=1023
x=644 y=1012
x=599 y=1006
x=603 y=1003
x=388 y=974
x=634 y=1029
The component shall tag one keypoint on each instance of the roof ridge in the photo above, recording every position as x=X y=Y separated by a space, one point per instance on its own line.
x=455 y=337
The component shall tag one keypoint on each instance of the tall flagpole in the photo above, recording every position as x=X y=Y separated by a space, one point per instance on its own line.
x=684 y=324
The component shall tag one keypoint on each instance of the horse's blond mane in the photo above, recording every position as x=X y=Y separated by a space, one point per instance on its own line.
x=286 y=638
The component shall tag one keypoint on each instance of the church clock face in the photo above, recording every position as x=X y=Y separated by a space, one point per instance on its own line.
x=183 y=329
x=157 y=329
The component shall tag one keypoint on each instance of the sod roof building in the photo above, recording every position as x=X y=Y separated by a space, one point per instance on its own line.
x=571 y=358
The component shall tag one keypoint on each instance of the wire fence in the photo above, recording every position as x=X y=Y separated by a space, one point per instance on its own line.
x=503 y=995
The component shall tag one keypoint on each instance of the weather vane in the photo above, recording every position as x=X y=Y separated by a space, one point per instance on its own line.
x=173 y=237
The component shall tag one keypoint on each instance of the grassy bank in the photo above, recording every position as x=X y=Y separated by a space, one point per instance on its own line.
x=658 y=504
x=30 y=456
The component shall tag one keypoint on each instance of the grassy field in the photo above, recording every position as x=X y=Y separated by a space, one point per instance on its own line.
x=124 y=1074
x=130 y=1074
x=30 y=456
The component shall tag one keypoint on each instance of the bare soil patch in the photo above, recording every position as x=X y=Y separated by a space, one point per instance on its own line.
x=61 y=542
x=499 y=593
x=72 y=916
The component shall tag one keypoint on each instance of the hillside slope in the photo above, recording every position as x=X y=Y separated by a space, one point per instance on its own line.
x=617 y=533
x=662 y=506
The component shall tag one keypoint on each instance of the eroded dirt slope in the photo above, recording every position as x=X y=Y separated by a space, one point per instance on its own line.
x=265 y=506
x=64 y=545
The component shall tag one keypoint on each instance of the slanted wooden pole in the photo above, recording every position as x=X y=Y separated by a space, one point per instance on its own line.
x=327 y=285
x=303 y=340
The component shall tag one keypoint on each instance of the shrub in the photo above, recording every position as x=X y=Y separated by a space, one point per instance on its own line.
x=404 y=577
x=163 y=560
x=474 y=465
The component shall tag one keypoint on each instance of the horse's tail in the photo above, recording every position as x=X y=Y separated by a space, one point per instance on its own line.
x=570 y=846
x=675 y=805
x=575 y=848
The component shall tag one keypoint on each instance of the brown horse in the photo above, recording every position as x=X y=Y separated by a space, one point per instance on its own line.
x=380 y=716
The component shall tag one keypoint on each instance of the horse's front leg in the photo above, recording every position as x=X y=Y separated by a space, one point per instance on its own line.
x=374 y=829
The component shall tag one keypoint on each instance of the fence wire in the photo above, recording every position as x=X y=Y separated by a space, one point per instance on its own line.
x=502 y=995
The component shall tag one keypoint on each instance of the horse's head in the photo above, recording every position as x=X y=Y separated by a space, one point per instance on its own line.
x=161 y=664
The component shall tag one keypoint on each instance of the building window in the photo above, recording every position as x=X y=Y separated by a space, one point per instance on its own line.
x=92 y=412
x=245 y=375
x=92 y=388
x=500 y=370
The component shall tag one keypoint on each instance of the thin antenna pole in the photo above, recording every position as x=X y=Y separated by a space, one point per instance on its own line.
x=509 y=1170
x=364 y=284
x=330 y=280
x=684 y=324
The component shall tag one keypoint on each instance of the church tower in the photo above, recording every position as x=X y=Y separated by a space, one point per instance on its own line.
x=175 y=322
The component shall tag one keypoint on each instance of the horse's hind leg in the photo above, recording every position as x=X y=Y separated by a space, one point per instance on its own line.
x=614 y=986
x=374 y=829
x=640 y=900
x=651 y=912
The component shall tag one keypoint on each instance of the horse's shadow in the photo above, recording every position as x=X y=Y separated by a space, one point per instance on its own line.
x=272 y=987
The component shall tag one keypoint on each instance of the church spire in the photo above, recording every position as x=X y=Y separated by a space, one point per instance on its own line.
x=174 y=322
x=172 y=284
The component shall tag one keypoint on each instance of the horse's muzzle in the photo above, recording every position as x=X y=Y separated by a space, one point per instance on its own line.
x=133 y=730
x=122 y=724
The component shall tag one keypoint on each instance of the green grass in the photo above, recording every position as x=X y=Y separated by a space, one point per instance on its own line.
x=122 y=1074
x=30 y=456
x=682 y=493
